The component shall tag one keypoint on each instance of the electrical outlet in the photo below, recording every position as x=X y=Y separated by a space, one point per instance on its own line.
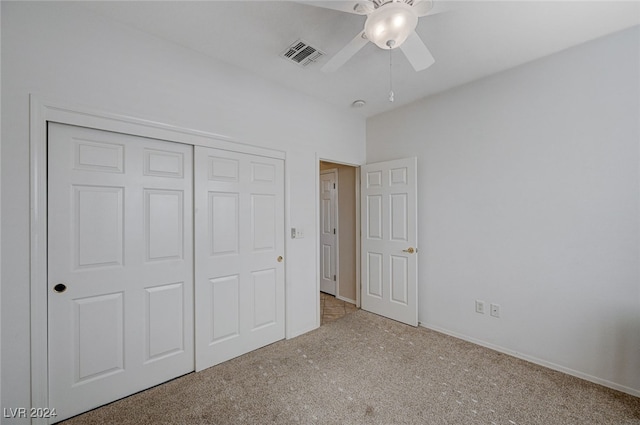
x=495 y=310
x=480 y=306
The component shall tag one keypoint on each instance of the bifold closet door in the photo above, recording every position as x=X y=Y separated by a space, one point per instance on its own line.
x=120 y=265
x=239 y=243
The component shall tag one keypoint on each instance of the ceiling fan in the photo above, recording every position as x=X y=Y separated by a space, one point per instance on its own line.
x=390 y=24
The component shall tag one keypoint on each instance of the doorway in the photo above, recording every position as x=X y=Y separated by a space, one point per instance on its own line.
x=338 y=240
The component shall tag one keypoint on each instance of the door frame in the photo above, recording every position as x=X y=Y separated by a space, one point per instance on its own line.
x=336 y=254
x=322 y=158
x=43 y=110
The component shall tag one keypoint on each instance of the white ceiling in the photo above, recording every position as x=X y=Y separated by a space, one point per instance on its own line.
x=469 y=40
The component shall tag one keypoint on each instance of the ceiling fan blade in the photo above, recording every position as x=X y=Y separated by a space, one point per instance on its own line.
x=361 y=7
x=416 y=52
x=422 y=7
x=339 y=59
x=430 y=7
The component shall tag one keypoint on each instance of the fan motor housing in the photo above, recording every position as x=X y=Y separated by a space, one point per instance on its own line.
x=389 y=25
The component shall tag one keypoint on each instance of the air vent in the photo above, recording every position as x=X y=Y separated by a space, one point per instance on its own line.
x=302 y=53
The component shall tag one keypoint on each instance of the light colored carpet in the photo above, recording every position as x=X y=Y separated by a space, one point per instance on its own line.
x=364 y=369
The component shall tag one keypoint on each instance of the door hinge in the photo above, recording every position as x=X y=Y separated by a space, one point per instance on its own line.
x=334 y=277
x=334 y=230
x=334 y=185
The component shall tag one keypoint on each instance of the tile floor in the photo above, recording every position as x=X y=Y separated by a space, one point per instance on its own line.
x=332 y=308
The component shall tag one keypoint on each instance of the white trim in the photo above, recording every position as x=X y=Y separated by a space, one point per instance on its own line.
x=358 y=238
x=288 y=334
x=537 y=361
x=47 y=110
x=38 y=259
x=0 y=212
x=336 y=217
x=317 y=244
x=349 y=300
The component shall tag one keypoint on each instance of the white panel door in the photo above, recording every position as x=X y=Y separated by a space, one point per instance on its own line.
x=239 y=240
x=120 y=264
x=389 y=239
x=328 y=236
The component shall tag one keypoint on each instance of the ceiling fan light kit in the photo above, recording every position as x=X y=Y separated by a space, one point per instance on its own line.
x=390 y=25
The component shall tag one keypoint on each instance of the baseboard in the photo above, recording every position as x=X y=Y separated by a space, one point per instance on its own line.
x=350 y=301
x=540 y=362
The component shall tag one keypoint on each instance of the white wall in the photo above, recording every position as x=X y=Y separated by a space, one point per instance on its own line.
x=529 y=198
x=61 y=51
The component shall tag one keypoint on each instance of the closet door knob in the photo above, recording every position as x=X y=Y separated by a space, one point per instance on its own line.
x=60 y=288
x=280 y=258
x=410 y=250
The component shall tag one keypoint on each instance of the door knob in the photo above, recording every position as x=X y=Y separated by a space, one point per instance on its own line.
x=280 y=258
x=60 y=288
x=410 y=250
